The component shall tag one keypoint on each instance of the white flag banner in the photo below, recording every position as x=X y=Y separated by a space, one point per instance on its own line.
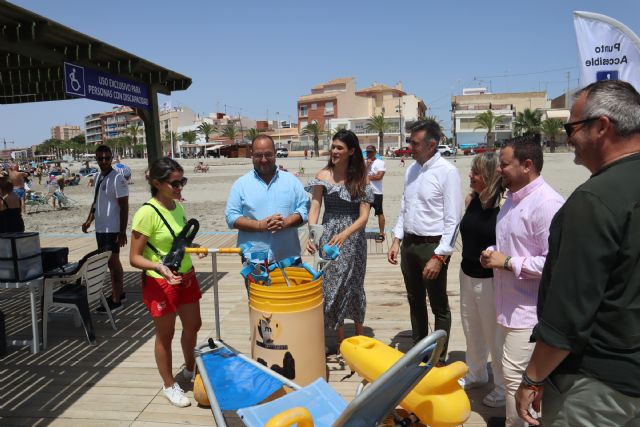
x=607 y=49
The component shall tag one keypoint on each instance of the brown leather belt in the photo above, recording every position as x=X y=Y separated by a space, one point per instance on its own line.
x=414 y=239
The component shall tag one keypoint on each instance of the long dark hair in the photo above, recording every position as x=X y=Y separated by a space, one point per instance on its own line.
x=161 y=169
x=356 y=169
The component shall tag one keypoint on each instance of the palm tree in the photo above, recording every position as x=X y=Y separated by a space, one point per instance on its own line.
x=64 y=146
x=252 y=134
x=50 y=146
x=488 y=121
x=133 y=131
x=44 y=147
x=206 y=129
x=551 y=128
x=189 y=136
x=79 y=139
x=124 y=144
x=230 y=132
x=527 y=122
x=112 y=143
x=316 y=131
x=377 y=123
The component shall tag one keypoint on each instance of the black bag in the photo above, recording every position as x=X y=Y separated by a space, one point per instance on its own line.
x=183 y=240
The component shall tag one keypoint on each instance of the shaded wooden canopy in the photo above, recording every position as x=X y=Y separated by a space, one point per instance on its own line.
x=33 y=49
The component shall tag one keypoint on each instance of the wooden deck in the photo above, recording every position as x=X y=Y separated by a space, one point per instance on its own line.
x=116 y=383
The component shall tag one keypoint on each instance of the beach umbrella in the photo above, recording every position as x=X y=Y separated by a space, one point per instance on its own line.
x=124 y=170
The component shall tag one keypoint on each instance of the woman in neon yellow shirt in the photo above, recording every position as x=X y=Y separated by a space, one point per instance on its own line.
x=166 y=293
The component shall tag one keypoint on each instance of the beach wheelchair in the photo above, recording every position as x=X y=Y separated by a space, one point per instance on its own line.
x=236 y=386
x=63 y=200
x=242 y=391
x=36 y=202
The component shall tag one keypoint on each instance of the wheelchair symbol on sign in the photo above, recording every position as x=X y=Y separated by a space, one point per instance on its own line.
x=74 y=79
x=75 y=84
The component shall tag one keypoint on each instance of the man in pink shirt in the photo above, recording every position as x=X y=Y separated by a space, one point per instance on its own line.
x=522 y=230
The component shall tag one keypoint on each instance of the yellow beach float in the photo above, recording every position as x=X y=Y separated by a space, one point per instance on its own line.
x=438 y=400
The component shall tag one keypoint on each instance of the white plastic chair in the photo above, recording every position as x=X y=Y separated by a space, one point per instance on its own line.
x=82 y=285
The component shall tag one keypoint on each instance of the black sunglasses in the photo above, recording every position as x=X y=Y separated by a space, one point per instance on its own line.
x=179 y=182
x=570 y=127
x=105 y=158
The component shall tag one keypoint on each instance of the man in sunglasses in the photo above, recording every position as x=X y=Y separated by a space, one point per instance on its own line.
x=267 y=205
x=587 y=344
x=110 y=209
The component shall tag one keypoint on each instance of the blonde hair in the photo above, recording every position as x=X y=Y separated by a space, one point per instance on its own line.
x=486 y=165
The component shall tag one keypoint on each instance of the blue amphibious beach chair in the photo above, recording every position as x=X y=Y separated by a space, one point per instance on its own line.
x=236 y=386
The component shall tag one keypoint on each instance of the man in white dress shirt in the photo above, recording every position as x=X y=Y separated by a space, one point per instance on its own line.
x=426 y=230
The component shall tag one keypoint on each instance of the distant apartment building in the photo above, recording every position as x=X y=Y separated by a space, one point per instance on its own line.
x=173 y=118
x=220 y=121
x=242 y=123
x=473 y=101
x=93 y=129
x=65 y=132
x=116 y=123
x=338 y=104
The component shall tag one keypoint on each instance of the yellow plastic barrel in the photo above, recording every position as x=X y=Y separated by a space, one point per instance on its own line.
x=287 y=325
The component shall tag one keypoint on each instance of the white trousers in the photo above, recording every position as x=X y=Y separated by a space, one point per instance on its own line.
x=478 y=313
x=516 y=354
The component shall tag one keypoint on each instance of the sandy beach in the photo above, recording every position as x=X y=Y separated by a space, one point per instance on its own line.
x=126 y=384
x=206 y=193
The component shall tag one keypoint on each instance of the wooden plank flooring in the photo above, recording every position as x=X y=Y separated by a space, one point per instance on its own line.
x=116 y=383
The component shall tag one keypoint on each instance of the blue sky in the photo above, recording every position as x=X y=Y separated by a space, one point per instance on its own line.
x=262 y=55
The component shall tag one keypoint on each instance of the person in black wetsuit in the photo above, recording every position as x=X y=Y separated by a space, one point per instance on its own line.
x=10 y=211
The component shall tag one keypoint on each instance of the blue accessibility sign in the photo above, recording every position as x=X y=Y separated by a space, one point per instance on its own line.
x=90 y=83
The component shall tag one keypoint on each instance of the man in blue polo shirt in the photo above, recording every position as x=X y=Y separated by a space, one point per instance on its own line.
x=268 y=205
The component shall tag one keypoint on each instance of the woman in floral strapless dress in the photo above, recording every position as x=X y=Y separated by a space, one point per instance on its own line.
x=343 y=187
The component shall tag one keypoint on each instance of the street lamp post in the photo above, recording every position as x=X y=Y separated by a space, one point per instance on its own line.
x=278 y=127
x=401 y=143
x=401 y=130
x=173 y=149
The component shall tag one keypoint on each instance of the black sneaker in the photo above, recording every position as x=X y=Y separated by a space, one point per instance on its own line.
x=113 y=306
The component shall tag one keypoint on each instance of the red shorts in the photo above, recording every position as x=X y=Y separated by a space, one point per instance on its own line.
x=162 y=298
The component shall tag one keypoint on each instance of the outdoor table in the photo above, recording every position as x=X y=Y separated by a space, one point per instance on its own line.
x=33 y=285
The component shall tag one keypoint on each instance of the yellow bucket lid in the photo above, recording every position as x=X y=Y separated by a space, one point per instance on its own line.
x=305 y=293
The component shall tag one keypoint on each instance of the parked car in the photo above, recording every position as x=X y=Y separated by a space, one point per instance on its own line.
x=404 y=151
x=480 y=148
x=282 y=152
x=446 y=150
